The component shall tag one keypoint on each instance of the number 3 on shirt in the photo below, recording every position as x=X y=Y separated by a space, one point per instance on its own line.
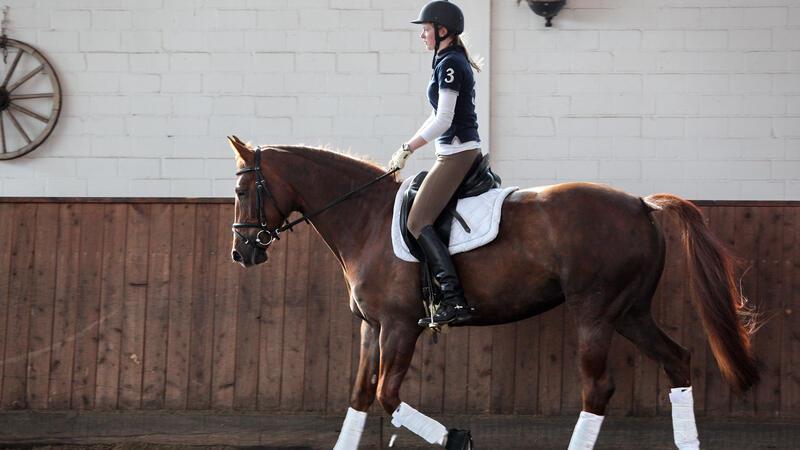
x=449 y=79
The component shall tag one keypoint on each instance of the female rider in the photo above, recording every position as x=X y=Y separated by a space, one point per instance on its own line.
x=454 y=126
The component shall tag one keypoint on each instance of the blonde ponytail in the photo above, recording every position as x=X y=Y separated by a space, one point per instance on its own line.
x=477 y=64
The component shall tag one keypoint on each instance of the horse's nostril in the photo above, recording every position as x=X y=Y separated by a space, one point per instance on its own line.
x=236 y=256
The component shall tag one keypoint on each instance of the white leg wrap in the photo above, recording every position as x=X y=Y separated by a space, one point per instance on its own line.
x=683 y=425
x=586 y=431
x=425 y=427
x=352 y=428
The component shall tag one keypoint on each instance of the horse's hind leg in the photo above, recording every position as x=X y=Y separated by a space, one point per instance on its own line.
x=640 y=328
x=644 y=332
x=363 y=391
x=594 y=340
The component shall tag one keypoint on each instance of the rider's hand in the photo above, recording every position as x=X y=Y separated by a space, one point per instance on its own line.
x=399 y=158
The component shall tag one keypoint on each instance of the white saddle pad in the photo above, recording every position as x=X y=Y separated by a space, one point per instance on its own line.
x=482 y=214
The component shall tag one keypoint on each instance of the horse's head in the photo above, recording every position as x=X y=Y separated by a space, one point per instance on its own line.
x=260 y=207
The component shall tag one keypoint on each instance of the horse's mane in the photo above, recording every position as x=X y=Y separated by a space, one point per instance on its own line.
x=334 y=157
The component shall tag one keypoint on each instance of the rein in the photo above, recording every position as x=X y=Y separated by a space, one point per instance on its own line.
x=274 y=234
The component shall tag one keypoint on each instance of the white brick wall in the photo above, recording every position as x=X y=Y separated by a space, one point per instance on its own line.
x=696 y=97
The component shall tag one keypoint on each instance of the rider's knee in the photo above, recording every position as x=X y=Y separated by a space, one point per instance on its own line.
x=415 y=226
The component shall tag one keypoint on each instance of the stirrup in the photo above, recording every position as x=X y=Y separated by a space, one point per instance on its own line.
x=462 y=314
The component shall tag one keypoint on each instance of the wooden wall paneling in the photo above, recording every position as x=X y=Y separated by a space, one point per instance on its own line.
x=790 y=298
x=251 y=283
x=455 y=346
x=571 y=381
x=295 y=318
x=65 y=305
x=323 y=267
x=745 y=230
x=180 y=305
x=115 y=268
x=526 y=367
x=504 y=339
x=551 y=363
x=768 y=340
x=433 y=380
x=159 y=279
x=201 y=349
x=271 y=325
x=479 y=370
x=6 y=240
x=717 y=390
x=134 y=306
x=88 y=312
x=341 y=345
x=223 y=374
x=19 y=294
x=112 y=288
x=41 y=314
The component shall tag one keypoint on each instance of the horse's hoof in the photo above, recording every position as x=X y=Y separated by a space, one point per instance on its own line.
x=459 y=440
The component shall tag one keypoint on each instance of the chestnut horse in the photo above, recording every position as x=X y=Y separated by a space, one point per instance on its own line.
x=595 y=249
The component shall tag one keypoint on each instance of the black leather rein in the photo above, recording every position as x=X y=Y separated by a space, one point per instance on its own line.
x=262 y=189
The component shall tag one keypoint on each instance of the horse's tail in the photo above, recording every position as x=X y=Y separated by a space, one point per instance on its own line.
x=723 y=310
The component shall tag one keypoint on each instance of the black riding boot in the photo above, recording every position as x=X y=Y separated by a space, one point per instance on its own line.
x=453 y=308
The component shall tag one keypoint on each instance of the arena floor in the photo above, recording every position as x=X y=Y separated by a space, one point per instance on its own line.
x=218 y=431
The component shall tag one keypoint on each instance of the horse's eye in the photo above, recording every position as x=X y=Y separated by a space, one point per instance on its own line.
x=240 y=194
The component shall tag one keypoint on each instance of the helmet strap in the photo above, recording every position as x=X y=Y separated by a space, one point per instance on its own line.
x=439 y=40
x=438 y=43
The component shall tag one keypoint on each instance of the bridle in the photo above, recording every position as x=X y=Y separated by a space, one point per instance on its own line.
x=262 y=190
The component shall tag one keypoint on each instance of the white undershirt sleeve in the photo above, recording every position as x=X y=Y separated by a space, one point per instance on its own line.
x=425 y=124
x=445 y=110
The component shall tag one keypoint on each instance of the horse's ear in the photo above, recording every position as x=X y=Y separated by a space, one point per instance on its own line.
x=243 y=152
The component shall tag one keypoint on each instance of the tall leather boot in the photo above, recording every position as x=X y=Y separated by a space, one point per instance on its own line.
x=453 y=308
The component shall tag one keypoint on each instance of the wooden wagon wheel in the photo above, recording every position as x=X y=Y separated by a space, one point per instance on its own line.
x=30 y=99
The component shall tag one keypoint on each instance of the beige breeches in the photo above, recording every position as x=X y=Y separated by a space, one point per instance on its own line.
x=438 y=187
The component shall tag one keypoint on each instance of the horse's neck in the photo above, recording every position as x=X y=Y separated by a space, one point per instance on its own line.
x=345 y=226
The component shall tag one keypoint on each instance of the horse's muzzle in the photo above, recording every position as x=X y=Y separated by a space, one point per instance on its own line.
x=257 y=256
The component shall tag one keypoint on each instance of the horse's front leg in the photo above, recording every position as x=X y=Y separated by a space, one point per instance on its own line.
x=397 y=349
x=363 y=391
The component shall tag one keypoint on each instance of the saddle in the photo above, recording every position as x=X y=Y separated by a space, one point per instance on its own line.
x=478 y=180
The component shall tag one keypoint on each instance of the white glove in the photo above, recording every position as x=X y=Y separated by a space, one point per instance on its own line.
x=399 y=158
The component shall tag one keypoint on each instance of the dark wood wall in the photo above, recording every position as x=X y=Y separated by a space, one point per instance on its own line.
x=113 y=304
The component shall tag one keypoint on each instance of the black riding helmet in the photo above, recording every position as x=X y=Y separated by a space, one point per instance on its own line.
x=442 y=13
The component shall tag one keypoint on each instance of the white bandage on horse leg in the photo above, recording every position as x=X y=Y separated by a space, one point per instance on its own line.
x=683 y=425
x=586 y=430
x=425 y=427
x=352 y=428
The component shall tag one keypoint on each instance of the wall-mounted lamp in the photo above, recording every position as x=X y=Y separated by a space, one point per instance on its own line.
x=546 y=8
